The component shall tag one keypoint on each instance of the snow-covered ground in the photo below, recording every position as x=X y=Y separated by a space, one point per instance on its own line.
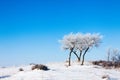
x=59 y=71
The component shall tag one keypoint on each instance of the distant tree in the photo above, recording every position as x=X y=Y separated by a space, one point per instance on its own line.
x=80 y=43
x=115 y=55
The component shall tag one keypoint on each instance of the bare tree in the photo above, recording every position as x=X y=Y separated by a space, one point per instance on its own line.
x=115 y=55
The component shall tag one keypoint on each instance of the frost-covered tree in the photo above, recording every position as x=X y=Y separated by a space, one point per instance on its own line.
x=69 y=43
x=115 y=55
x=86 y=42
x=80 y=43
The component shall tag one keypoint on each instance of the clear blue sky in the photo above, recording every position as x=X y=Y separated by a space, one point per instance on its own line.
x=30 y=29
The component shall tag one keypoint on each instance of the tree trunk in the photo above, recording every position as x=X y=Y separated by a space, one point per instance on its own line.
x=84 y=55
x=70 y=58
x=108 y=57
x=76 y=56
x=80 y=55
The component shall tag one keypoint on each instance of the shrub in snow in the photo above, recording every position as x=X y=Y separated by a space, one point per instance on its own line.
x=21 y=69
x=97 y=62
x=40 y=67
x=32 y=63
x=107 y=64
x=116 y=64
x=106 y=77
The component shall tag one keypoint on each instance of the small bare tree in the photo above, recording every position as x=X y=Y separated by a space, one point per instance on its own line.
x=115 y=55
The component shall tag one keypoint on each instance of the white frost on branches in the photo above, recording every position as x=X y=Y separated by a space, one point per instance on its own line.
x=68 y=41
x=115 y=55
x=80 y=41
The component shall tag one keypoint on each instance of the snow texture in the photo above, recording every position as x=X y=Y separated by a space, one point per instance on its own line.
x=60 y=71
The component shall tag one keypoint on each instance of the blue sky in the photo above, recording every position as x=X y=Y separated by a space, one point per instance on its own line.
x=30 y=29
